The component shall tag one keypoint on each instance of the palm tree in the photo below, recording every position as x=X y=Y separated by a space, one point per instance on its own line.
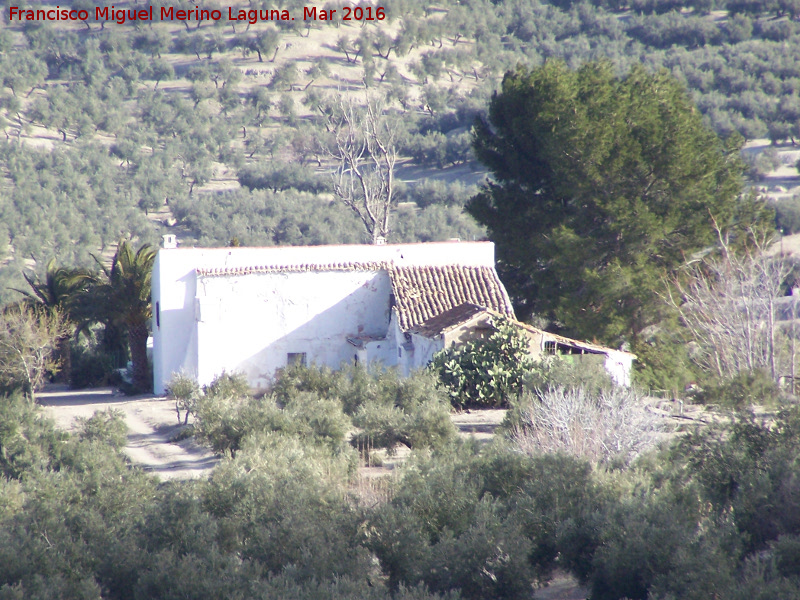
x=61 y=291
x=123 y=300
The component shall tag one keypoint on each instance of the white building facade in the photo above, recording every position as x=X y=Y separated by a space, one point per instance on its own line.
x=256 y=310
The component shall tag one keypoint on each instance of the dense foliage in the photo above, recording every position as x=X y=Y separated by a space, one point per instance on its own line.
x=714 y=513
x=218 y=133
x=112 y=130
x=485 y=372
x=602 y=187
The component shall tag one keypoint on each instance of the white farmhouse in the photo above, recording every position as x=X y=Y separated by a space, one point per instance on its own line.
x=256 y=310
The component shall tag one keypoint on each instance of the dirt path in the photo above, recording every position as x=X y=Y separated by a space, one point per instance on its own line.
x=152 y=424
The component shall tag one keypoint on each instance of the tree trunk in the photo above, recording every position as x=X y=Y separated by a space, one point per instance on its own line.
x=137 y=343
x=64 y=349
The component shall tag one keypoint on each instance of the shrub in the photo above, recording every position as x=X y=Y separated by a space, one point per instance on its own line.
x=28 y=441
x=409 y=411
x=567 y=371
x=323 y=418
x=433 y=191
x=488 y=560
x=279 y=177
x=225 y=421
x=90 y=366
x=219 y=423
x=228 y=385
x=428 y=425
x=787 y=214
x=185 y=390
x=107 y=426
x=611 y=425
x=657 y=547
x=323 y=381
x=381 y=426
x=485 y=372
x=743 y=390
x=787 y=555
x=438 y=529
x=284 y=504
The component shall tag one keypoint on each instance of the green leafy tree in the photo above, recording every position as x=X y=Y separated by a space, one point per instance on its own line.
x=601 y=186
x=485 y=371
x=123 y=300
x=62 y=291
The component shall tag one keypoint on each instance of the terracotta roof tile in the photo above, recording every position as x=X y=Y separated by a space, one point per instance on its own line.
x=299 y=268
x=420 y=292
x=449 y=319
x=425 y=292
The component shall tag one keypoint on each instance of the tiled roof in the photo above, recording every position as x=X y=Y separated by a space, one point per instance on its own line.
x=420 y=292
x=425 y=292
x=449 y=319
x=300 y=268
x=554 y=337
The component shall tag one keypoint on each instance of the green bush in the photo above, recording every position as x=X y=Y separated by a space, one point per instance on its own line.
x=107 y=426
x=381 y=426
x=745 y=389
x=283 y=504
x=323 y=417
x=28 y=441
x=409 y=411
x=185 y=390
x=440 y=528
x=428 y=425
x=485 y=372
x=585 y=371
x=787 y=214
x=228 y=385
x=433 y=191
x=223 y=421
x=90 y=366
x=787 y=555
x=219 y=423
x=279 y=177
x=323 y=381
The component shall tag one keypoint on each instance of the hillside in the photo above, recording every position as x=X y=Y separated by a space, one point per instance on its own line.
x=136 y=128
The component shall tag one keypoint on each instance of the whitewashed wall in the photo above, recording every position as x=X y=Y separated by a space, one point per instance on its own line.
x=233 y=324
x=619 y=365
x=424 y=349
x=251 y=323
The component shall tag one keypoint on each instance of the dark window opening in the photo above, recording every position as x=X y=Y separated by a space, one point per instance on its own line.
x=296 y=359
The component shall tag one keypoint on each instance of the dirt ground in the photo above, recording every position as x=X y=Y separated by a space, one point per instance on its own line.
x=152 y=425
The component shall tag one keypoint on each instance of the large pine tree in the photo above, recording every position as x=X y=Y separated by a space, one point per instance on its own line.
x=601 y=186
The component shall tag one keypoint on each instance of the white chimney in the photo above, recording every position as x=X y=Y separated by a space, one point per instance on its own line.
x=170 y=241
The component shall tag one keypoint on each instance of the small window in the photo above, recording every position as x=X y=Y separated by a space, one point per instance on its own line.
x=549 y=347
x=296 y=359
x=158 y=314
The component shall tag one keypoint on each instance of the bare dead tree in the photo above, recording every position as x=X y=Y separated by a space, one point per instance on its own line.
x=363 y=148
x=728 y=304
